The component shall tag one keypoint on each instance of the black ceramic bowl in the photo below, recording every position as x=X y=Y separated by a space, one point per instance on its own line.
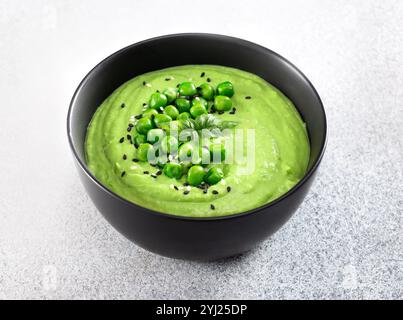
x=181 y=237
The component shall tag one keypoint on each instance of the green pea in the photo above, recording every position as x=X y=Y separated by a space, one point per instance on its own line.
x=177 y=126
x=186 y=151
x=143 y=151
x=187 y=89
x=158 y=100
x=171 y=94
x=199 y=100
x=173 y=170
x=160 y=119
x=182 y=104
x=225 y=89
x=139 y=139
x=169 y=144
x=150 y=113
x=186 y=165
x=196 y=175
x=206 y=91
x=184 y=116
x=144 y=125
x=173 y=127
x=197 y=110
x=155 y=135
x=222 y=103
x=171 y=111
x=188 y=135
x=217 y=152
x=213 y=176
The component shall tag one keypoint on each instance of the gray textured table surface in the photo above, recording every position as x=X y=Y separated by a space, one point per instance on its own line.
x=346 y=239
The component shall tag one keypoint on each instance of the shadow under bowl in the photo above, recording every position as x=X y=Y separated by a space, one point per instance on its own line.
x=186 y=237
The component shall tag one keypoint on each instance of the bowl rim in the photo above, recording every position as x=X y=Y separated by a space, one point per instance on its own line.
x=257 y=210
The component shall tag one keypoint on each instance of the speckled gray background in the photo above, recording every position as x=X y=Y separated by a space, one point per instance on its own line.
x=346 y=239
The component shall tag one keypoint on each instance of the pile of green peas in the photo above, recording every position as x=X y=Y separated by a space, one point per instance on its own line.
x=169 y=109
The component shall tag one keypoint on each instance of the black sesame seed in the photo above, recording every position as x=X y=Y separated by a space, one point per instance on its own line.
x=202 y=74
x=121 y=140
x=139 y=116
x=208 y=80
x=144 y=83
x=186 y=184
x=135 y=160
x=131 y=125
x=228 y=189
x=154 y=176
x=122 y=105
x=123 y=174
x=176 y=188
x=220 y=112
x=186 y=192
x=212 y=206
x=158 y=91
x=144 y=104
x=129 y=129
x=205 y=191
x=248 y=97
x=167 y=79
x=158 y=173
x=215 y=192
x=178 y=85
x=124 y=157
x=146 y=172
x=153 y=165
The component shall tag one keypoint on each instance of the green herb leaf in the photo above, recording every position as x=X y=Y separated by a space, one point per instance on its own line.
x=208 y=122
x=189 y=124
x=227 y=125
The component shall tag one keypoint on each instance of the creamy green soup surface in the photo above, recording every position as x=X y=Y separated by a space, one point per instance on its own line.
x=281 y=152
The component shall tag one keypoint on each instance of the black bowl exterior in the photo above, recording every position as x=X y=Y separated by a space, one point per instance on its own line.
x=192 y=239
x=182 y=237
